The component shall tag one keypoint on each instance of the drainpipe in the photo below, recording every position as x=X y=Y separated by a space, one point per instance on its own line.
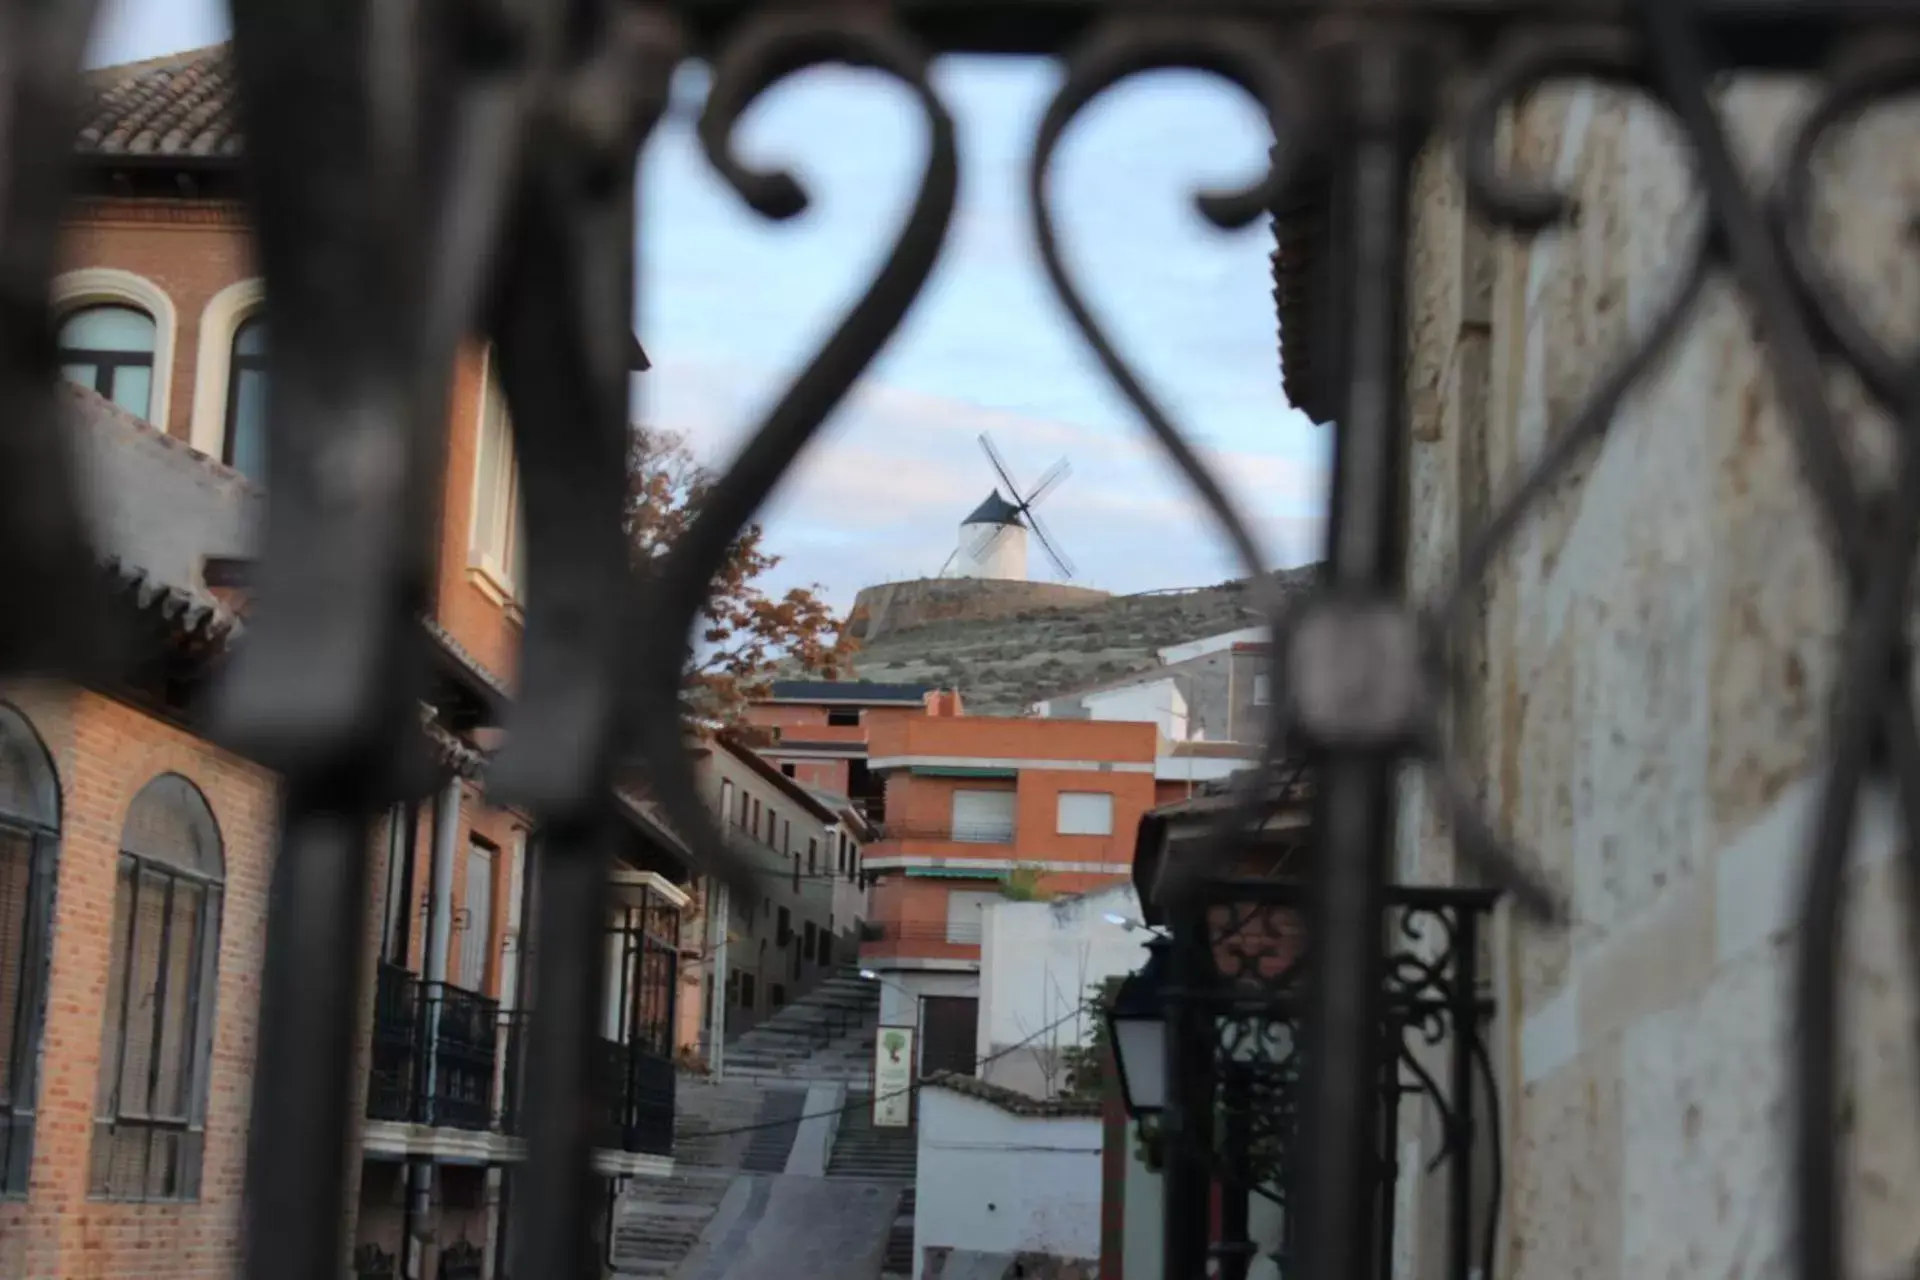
x=521 y=976
x=718 y=925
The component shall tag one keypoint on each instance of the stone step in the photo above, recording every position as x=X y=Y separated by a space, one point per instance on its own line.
x=772 y=1141
x=658 y=1221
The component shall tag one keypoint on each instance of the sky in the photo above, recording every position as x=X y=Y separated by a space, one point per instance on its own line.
x=729 y=306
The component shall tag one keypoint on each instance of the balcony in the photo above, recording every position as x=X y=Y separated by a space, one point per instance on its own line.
x=637 y=1086
x=885 y=940
x=435 y=1051
x=947 y=832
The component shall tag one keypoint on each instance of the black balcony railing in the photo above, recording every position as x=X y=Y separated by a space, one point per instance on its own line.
x=434 y=1052
x=637 y=1085
x=960 y=934
x=464 y=1027
x=955 y=832
x=393 y=1078
x=513 y=1048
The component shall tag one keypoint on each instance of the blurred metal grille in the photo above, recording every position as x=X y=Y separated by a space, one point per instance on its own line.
x=501 y=137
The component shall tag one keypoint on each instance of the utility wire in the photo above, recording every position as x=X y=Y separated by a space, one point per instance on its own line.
x=867 y=1100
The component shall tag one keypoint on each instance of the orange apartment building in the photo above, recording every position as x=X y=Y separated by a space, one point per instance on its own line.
x=972 y=805
x=821 y=729
x=135 y=854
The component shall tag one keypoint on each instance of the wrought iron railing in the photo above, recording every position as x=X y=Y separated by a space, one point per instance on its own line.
x=994 y=833
x=637 y=1089
x=513 y=1053
x=468 y=167
x=1241 y=1010
x=895 y=932
x=435 y=1050
x=394 y=1073
x=464 y=1029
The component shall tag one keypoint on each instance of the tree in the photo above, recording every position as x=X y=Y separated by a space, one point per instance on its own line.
x=744 y=634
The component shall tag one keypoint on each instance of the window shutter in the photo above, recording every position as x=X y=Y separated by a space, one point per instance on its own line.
x=983 y=817
x=1086 y=813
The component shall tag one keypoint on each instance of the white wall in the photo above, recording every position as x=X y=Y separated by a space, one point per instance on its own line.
x=901 y=989
x=1002 y=552
x=1212 y=644
x=1157 y=701
x=995 y=1182
x=1037 y=960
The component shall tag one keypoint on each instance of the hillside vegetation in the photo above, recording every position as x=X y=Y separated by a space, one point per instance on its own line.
x=1003 y=664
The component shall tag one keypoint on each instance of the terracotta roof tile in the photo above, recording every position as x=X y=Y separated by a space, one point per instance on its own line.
x=1010 y=1100
x=180 y=106
x=1300 y=236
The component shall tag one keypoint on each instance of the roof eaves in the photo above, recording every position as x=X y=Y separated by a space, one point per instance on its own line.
x=1011 y=1100
x=760 y=765
x=1302 y=268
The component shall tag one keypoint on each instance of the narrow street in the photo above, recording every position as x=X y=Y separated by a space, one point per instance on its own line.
x=779 y=1171
x=776 y=1226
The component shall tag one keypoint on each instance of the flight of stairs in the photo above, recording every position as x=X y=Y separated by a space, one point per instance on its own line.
x=657 y=1221
x=881 y=1155
x=770 y=1143
x=826 y=1036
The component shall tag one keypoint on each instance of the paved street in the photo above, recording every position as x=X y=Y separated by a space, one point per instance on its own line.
x=777 y=1227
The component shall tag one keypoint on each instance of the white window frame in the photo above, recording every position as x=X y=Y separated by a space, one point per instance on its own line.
x=220 y=321
x=1084 y=825
x=96 y=286
x=1262 y=689
x=492 y=554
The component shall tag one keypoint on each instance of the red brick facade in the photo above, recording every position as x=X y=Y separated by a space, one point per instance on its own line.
x=103 y=753
x=189 y=250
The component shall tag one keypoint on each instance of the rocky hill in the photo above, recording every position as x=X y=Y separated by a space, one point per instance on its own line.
x=1002 y=664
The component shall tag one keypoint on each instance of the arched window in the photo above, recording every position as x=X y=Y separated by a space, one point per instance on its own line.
x=150 y=1109
x=29 y=835
x=109 y=349
x=246 y=434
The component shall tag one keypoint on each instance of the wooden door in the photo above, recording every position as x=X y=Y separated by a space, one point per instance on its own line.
x=949 y=1027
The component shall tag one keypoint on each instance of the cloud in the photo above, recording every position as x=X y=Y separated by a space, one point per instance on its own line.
x=880 y=495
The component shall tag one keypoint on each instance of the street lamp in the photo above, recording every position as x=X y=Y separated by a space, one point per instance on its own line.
x=1137 y=1030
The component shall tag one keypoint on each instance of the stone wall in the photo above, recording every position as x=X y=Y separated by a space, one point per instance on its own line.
x=901 y=606
x=1003 y=664
x=1651 y=663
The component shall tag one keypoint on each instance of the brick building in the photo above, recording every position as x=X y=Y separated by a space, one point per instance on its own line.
x=773 y=948
x=977 y=807
x=820 y=730
x=135 y=853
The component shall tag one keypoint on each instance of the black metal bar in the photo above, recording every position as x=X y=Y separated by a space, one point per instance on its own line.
x=556 y=1205
x=158 y=1042
x=1187 y=1122
x=310 y=988
x=1464 y=1028
x=1235 y=1249
x=1772 y=34
x=1384 y=1152
x=1385 y=104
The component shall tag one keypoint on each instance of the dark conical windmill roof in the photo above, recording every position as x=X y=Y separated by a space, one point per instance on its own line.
x=995 y=510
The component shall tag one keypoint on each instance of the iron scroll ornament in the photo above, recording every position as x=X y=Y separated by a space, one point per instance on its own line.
x=434 y=108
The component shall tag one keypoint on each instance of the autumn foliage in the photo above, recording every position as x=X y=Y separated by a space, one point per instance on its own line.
x=745 y=635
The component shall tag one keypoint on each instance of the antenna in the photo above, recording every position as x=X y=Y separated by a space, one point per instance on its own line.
x=1023 y=506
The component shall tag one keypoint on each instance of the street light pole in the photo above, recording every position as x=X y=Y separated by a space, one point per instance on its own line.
x=1187 y=1123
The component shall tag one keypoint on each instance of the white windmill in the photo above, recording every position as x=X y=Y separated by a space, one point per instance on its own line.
x=993 y=539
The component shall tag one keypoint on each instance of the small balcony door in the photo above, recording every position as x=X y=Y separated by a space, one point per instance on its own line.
x=477 y=911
